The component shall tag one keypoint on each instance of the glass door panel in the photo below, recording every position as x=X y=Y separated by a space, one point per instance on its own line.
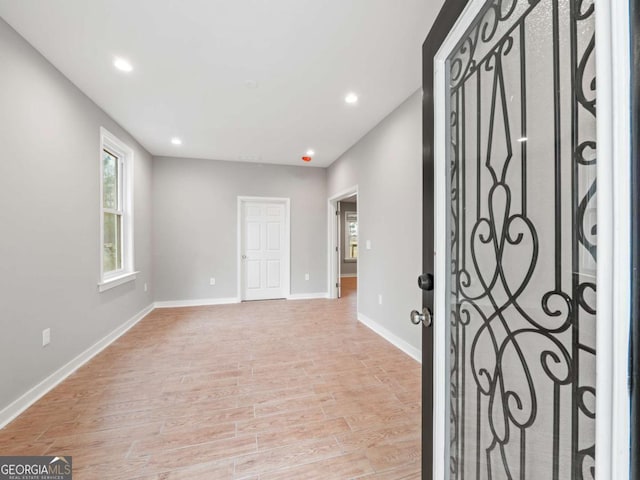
x=522 y=242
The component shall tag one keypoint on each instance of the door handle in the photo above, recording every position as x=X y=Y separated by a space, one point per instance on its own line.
x=425 y=317
x=425 y=281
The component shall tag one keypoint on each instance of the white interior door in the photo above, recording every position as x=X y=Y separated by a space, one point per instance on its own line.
x=264 y=250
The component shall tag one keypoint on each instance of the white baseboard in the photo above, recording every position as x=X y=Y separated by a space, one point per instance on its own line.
x=348 y=275
x=407 y=348
x=15 y=408
x=307 y=296
x=201 y=302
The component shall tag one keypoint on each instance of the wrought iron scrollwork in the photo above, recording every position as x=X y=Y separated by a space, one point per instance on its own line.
x=522 y=253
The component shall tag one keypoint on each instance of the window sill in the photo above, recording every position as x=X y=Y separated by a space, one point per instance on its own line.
x=115 y=281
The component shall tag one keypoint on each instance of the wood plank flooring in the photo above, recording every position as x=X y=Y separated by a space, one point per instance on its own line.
x=262 y=390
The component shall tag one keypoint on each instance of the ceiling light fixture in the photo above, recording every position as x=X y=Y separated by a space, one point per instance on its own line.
x=310 y=153
x=176 y=141
x=351 y=98
x=522 y=139
x=122 y=65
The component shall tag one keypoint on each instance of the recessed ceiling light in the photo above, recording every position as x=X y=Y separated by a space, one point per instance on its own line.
x=251 y=84
x=122 y=64
x=310 y=153
x=523 y=139
x=351 y=98
x=176 y=141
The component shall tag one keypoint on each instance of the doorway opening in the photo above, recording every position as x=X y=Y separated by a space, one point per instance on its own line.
x=348 y=249
x=343 y=244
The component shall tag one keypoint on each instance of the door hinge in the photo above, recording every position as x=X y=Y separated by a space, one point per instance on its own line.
x=337 y=285
x=337 y=212
x=336 y=249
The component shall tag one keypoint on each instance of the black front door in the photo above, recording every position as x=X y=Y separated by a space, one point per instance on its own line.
x=510 y=235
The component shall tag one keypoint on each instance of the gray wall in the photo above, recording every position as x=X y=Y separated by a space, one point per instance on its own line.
x=49 y=222
x=195 y=224
x=387 y=167
x=346 y=268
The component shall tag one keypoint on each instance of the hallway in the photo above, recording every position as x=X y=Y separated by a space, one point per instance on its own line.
x=259 y=390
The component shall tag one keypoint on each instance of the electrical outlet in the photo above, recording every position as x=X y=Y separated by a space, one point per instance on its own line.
x=380 y=299
x=306 y=276
x=368 y=244
x=46 y=337
x=146 y=288
x=212 y=281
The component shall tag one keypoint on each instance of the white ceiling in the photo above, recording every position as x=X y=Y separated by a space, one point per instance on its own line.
x=192 y=60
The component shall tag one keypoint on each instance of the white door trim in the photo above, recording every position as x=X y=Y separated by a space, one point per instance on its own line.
x=613 y=219
x=287 y=240
x=614 y=214
x=332 y=235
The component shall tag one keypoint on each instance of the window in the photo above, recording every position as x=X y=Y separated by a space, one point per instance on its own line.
x=351 y=236
x=116 y=212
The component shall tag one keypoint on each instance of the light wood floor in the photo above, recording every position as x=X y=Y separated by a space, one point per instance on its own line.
x=262 y=390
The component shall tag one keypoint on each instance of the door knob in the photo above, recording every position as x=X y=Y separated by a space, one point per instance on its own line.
x=425 y=317
x=425 y=281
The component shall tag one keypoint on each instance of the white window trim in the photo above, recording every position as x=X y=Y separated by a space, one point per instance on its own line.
x=110 y=280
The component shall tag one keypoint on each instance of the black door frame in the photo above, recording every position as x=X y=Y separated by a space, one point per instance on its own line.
x=443 y=24
x=634 y=366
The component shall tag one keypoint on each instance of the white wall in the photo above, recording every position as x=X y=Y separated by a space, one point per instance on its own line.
x=195 y=224
x=49 y=221
x=386 y=165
